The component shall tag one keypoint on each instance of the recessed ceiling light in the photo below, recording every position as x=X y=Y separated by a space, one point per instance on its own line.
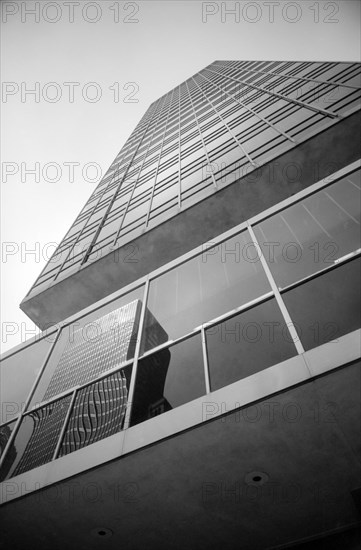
x=101 y=532
x=256 y=478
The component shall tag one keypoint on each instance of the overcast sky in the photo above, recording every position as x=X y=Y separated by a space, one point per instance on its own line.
x=95 y=67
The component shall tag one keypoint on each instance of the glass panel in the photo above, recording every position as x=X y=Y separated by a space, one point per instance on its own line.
x=312 y=234
x=247 y=343
x=326 y=307
x=17 y=375
x=96 y=343
x=167 y=379
x=5 y=433
x=36 y=439
x=222 y=278
x=98 y=411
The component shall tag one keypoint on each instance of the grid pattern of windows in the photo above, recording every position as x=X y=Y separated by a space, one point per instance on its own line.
x=212 y=129
x=86 y=356
x=212 y=318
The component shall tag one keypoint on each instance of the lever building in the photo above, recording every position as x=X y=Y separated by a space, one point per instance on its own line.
x=197 y=380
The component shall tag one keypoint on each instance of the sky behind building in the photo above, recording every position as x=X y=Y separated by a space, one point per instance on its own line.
x=95 y=70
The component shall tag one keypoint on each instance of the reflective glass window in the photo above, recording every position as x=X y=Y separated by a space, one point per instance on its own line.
x=247 y=343
x=5 y=433
x=100 y=341
x=36 y=440
x=220 y=279
x=98 y=411
x=17 y=375
x=326 y=307
x=168 y=378
x=313 y=233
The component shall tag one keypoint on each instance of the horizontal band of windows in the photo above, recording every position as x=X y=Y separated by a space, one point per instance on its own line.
x=115 y=214
x=50 y=274
x=165 y=184
x=304 y=126
x=197 y=188
x=104 y=242
x=163 y=207
x=65 y=244
x=44 y=280
x=139 y=201
x=131 y=227
x=346 y=102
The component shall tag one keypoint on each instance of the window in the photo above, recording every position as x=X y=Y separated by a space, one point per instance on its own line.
x=247 y=343
x=98 y=411
x=313 y=233
x=220 y=279
x=326 y=307
x=37 y=438
x=168 y=378
x=95 y=344
x=18 y=374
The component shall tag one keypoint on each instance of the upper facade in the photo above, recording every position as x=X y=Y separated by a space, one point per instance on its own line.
x=192 y=168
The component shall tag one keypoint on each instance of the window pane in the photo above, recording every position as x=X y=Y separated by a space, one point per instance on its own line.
x=98 y=411
x=217 y=281
x=326 y=307
x=96 y=343
x=5 y=433
x=17 y=375
x=247 y=343
x=168 y=378
x=37 y=438
x=310 y=235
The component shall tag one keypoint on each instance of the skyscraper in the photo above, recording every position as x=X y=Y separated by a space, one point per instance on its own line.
x=218 y=244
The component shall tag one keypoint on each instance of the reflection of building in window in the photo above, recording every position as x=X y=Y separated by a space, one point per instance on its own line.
x=149 y=400
x=47 y=424
x=98 y=412
x=99 y=408
x=101 y=345
x=159 y=407
x=5 y=433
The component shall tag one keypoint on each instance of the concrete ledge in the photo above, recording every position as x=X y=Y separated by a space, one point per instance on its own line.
x=275 y=379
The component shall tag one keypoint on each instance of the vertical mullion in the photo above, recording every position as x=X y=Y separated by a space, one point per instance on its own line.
x=65 y=424
x=31 y=393
x=201 y=136
x=205 y=360
x=277 y=294
x=136 y=357
x=179 y=150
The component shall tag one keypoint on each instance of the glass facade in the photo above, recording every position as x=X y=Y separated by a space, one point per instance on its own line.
x=219 y=314
x=206 y=133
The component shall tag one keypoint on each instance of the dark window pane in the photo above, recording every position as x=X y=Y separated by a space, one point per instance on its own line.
x=222 y=278
x=18 y=373
x=326 y=307
x=99 y=342
x=98 y=411
x=168 y=378
x=5 y=433
x=313 y=233
x=37 y=438
x=247 y=343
